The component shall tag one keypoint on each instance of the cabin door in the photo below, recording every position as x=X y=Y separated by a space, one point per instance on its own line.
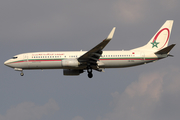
x=143 y=56
x=26 y=60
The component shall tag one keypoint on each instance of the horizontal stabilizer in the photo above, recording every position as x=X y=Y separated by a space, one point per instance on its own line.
x=170 y=55
x=165 y=50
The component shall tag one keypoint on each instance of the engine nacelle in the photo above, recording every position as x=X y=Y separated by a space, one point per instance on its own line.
x=70 y=63
x=70 y=72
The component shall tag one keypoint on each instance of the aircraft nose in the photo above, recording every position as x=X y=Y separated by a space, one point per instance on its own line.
x=6 y=62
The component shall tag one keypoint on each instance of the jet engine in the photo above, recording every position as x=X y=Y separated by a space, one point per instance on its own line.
x=70 y=63
x=70 y=72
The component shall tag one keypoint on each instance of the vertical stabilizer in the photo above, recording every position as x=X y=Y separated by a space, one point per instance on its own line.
x=160 y=39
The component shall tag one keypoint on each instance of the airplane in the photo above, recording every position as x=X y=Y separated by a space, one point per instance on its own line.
x=74 y=63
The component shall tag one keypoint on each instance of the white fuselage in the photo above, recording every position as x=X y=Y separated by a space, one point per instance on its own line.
x=53 y=60
x=75 y=62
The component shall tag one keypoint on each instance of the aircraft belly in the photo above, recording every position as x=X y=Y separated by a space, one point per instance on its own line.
x=58 y=65
x=121 y=63
x=19 y=65
x=45 y=65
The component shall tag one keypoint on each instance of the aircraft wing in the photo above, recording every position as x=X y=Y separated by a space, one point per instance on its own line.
x=93 y=55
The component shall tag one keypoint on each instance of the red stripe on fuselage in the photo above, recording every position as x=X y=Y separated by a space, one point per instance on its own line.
x=33 y=61
x=133 y=59
x=99 y=59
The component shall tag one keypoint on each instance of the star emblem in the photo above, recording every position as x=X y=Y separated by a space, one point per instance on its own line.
x=154 y=44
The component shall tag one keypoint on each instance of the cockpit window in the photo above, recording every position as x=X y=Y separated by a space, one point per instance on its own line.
x=15 y=57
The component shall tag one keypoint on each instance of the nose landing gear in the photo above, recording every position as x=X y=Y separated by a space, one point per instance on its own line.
x=19 y=69
x=22 y=74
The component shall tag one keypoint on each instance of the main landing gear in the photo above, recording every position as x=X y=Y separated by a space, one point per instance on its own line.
x=89 y=70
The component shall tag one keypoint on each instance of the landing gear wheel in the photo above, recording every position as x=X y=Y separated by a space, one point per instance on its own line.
x=90 y=75
x=89 y=70
x=22 y=74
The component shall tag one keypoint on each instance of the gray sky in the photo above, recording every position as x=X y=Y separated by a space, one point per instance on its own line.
x=146 y=92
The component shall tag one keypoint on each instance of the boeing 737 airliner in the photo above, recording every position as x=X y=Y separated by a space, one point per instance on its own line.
x=76 y=62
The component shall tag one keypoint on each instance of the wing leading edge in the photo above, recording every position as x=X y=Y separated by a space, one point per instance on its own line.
x=92 y=56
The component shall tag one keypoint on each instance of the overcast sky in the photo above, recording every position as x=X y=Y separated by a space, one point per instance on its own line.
x=147 y=92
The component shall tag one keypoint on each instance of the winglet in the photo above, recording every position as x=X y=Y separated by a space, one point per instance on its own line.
x=110 y=36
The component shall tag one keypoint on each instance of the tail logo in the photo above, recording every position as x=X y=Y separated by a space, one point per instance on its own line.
x=155 y=44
